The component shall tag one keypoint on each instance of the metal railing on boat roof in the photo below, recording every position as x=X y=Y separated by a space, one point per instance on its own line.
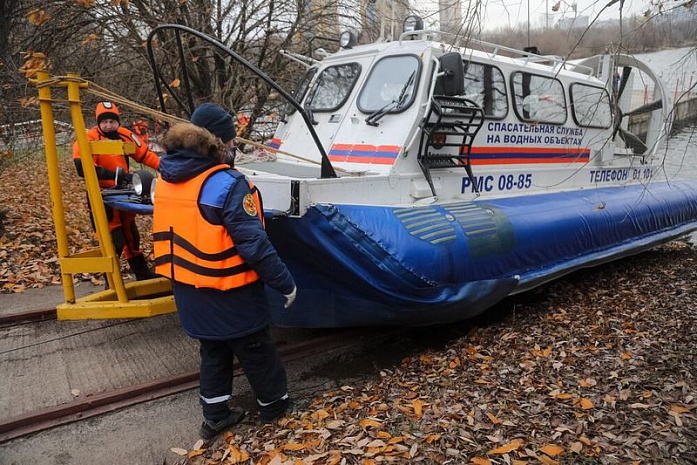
x=557 y=63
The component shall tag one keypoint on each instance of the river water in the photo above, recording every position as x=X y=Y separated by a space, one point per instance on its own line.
x=679 y=153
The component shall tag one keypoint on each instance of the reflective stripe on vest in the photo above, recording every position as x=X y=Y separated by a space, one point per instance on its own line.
x=190 y=250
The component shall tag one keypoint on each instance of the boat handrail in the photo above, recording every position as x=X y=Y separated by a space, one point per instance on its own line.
x=555 y=62
x=307 y=62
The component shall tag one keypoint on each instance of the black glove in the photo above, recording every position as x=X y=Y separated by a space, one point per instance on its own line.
x=122 y=178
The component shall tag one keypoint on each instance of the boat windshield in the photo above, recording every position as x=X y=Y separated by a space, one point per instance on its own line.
x=300 y=91
x=333 y=87
x=392 y=80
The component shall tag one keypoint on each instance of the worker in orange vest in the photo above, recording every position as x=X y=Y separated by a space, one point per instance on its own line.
x=209 y=239
x=113 y=170
x=140 y=127
x=243 y=123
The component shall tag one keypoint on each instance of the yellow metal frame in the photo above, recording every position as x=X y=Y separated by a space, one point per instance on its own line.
x=132 y=300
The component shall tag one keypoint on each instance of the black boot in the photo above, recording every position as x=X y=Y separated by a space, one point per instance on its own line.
x=140 y=268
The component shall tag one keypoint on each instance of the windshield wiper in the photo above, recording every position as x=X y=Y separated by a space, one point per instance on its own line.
x=373 y=118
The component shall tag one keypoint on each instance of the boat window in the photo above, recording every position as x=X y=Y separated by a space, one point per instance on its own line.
x=590 y=106
x=391 y=83
x=485 y=86
x=538 y=98
x=300 y=91
x=333 y=87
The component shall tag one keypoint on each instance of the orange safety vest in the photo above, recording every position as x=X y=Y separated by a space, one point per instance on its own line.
x=190 y=250
x=142 y=155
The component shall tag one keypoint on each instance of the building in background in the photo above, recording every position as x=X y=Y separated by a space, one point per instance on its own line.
x=450 y=14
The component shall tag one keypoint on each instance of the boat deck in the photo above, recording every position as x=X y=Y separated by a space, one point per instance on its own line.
x=304 y=171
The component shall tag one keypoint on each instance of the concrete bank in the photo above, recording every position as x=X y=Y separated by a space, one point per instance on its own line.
x=685 y=112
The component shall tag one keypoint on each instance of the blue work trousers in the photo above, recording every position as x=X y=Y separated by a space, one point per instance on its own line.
x=260 y=361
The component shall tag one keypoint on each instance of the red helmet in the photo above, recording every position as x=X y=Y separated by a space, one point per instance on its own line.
x=106 y=110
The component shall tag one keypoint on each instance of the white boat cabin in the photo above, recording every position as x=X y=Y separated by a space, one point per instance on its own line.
x=416 y=121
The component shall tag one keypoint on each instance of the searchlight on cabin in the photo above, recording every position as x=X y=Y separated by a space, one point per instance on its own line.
x=413 y=23
x=348 y=39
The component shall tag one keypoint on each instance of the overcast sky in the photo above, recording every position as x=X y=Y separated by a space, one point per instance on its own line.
x=514 y=13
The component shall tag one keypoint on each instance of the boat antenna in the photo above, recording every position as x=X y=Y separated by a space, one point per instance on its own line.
x=528 y=23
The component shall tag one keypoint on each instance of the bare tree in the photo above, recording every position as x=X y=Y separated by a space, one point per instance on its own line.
x=105 y=43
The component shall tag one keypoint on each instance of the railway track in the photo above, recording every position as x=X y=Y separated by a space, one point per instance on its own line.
x=109 y=401
x=30 y=316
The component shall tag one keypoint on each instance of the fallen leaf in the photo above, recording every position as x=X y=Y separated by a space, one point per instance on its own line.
x=676 y=417
x=195 y=453
x=480 y=461
x=293 y=446
x=369 y=423
x=37 y=17
x=547 y=461
x=418 y=407
x=376 y=443
x=576 y=447
x=586 y=404
x=506 y=448
x=552 y=450
x=320 y=414
x=237 y=455
x=679 y=409
x=336 y=424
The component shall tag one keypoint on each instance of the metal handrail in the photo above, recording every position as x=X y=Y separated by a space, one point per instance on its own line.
x=556 y=62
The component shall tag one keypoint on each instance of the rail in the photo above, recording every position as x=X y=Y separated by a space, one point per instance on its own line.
x=109 y=401
x=494 y=50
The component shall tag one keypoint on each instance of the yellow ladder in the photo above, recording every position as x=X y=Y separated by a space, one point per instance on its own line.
x=131 y=300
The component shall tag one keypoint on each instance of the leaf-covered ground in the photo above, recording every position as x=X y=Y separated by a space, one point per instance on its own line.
x=28 y=250
x=600 y=369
